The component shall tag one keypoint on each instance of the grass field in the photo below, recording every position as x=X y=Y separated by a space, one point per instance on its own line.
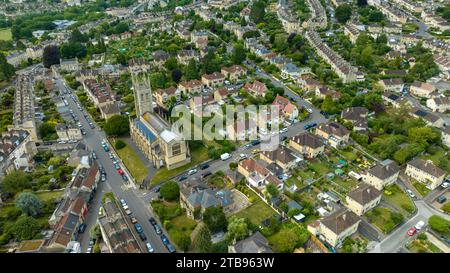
x=383 y=218
x=180 y=226
x=398 y=198
x=421 y=188
x=133 y=163
x=257 y=212
x=197 y=156
x=5 y=34
x=49 y=195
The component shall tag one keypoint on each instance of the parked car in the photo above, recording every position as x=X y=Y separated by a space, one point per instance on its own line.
x=124 y=177
x=243 y=156
x=138 y=228
x=411 y=231
x=206 y=174
x=204 y=166
x=82 y=228
x=419 y=225
x=441 y=199
x=284 y=130
x=193 y=171
x=120 y=171
x=149 y=247
x=89 y=250
x=170 y=248
x=128 y=212
x=123 y=202
x=103 y=178
x=410 y=193
x=182 y=178
x=152 y=221
x=256 y=142
x=117 y=166
x=142 y=235
x=445 y=185
x=164 y=239
x=133 y=220
x=94 y=155
x=157 y=229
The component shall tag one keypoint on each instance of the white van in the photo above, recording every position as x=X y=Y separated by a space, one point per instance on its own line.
x=225 y=156
x=419 y=225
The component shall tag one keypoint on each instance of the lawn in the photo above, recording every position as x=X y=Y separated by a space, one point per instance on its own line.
x=349 y=156
x=320 y=167
x=133 y=163
x=384 y=219
x=421 y=188
x=49 y=195
x=398 y=198
x=5 y=34
x=257 y=212
x=197 y=156
x=179 y=226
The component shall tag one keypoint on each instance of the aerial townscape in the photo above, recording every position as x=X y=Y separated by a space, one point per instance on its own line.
x=92 y=161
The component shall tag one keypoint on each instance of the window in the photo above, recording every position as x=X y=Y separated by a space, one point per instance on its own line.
x=176 y=149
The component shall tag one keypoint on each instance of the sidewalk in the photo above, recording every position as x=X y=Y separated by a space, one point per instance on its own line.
x=435 y=241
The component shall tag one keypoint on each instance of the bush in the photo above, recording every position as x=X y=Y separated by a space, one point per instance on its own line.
x=446 y=207
x=439 y=225
x=170 y=191
x=119 y=144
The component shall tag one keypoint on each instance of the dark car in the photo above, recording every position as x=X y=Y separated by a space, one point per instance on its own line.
x=152 y=221
x=124 y=177
x=158 y=188
x=164 y=239
x=256 y=142
x=157 y=229
x=441 y=199
x=283 y=138
x=143 y=237
x=138 y=228
x=170 y=248
x=182 y=178
x=204 y=166
x=82 y=228
x=206 y=174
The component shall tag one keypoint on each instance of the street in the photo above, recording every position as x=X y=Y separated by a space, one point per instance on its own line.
x=114 y=183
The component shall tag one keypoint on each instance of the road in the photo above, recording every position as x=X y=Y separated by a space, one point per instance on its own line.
x=114 y=183
x=397 y=239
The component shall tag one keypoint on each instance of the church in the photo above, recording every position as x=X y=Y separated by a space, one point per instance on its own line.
x=151 y=133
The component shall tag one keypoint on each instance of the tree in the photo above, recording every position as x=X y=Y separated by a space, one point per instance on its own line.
x=73 y=49
x=439 y=224
x=257 y=12
x=215 y=219
x=237 y=229
x=15 y=182
x=29 y=204
x=50 y=56
x=170 y=191
x=117 y=125
x=361 y=3
x=158 y=80
x=119 y=144
x=25 y=228
x=176 y=75
x=272 y=190
x=47 y=131
x=183 y=241
x=287 y=240
x=238 y=55
x=343 y=13
x=6 y=68
x=191 y=72
x=202 y=240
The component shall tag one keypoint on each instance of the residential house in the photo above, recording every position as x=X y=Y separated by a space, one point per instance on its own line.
x=439 y=104
x=256 y=88
x=184 y=56
x=190 y=87
x=234 y=72
x=392 y=85
x=425 y=172
x=395 y=100
x=290 y=71
x=357 y=116
x=287 y=109
x=428 y=118
x=256 y=243
x=17 y=150
x=382 y=175
x=282 y=156
x=257 y=175
x=422 y=89
x=307 y=144
x=323 y=91
x=68 y=132
x=335 y=134
x=213 y=80
x=363 y=199
x=445 y=135
x=242 y=130
x=164 y=95
x=160 y=57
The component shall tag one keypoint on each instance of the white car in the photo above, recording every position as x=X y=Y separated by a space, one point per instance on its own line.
x=284 y=130
x=309 y=110
x=125 y=207
x=122 y=201
x=149 y=247
x=419 y=225
x=243 y=156
x=191 y=172
x=445 y=185
x=410 y=193
x=89 y=250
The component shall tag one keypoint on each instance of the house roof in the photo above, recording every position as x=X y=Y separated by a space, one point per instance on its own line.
x=333 y=128
x=256 y=243
x=282 y=154
x=364 y=194
x=340 y=221
x=307 y=139
x=427 y=166
x=354 y=113
x=384 y=171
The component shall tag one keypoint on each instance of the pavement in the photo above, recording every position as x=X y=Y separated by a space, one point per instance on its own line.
x=114 y=183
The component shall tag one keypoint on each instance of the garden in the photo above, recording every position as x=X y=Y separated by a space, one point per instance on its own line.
x=385 y=219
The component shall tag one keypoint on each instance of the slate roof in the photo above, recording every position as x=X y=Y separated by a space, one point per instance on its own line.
x=340 y=220
x=256 y=243
x=364 y=194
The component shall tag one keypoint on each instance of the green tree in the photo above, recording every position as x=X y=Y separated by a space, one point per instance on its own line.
x=237 y=229
x=47 y=131
x=191 y=72
x=25 y=228
x=183 y=241
x=170 y=191
x=158 y=80
x=202 y=240
x=257 y=12
x=119 y=144
x=6 y=69
x=29 y=204
x=73 y=49
x=15 y=182
x=215 y=219
x=238 y=55
x=272 y=190
x=117 y=125
x=287 y=240
x=439 y=224
x=343 y=13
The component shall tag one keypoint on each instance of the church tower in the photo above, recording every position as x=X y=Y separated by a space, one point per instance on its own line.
x=142 y=91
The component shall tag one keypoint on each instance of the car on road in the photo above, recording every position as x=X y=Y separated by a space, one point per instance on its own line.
x=204 y=166
x=149 y=248
x=309 y=126
x=82 y=228
x=123 y=202
x=164 y=239
x=158 y=188
x=157 y=229
x=225 y=156
x=441 y=199
x=445 y=184
x=138 y=228
x=206 y=174
x=89 y=250
x=410 y=193
x=103 y=179
x=419 y=225
x=255 y=151
x=411 y=231
x=94 y=155
x=193 y=171
x=124 y=177
x=120 y=171
x=128 y=211
x=183 y=177
x=142 y=236
x=243 y=156
x=116 y=166
x=170 y=248
x=283 y=138
x=152 y=221
x=256 y=142
x=83 y=132
x=284 y=130
x=309 y=110
x=133 y=220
